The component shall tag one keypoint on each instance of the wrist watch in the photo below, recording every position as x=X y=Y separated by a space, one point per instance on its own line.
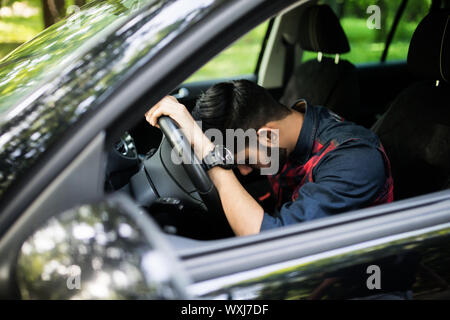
x=219 y=156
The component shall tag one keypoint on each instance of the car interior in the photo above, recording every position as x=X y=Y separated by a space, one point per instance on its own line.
x=404 y=101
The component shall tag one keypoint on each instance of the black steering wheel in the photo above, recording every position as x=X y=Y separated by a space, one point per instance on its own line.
x=191 y=164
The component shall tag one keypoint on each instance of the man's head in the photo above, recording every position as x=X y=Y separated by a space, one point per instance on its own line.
x=244 y=107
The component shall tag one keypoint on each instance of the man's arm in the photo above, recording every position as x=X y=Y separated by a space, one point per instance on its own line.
x=243 y=213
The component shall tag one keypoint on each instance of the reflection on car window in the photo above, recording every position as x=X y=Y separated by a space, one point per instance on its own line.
x=238 y=59
x=367 y=44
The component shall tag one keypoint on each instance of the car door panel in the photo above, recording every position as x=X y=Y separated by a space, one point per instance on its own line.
x=344 y=273
x=333 y=262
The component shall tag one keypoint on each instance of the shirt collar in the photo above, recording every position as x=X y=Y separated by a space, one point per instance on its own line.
x=305 y=141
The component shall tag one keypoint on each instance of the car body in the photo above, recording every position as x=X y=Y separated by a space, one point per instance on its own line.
x=69 y=94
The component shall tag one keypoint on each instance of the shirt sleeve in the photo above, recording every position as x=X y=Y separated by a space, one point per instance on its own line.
x=347 y=178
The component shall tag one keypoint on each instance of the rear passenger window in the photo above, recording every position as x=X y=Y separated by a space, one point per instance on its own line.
x=415 y=11
x=367 y=24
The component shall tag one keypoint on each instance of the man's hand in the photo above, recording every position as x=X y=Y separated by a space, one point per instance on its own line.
x=169 y=106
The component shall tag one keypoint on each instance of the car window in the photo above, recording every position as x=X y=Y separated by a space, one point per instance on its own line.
x=238 y=59
x=367 y=25
x=415 y=11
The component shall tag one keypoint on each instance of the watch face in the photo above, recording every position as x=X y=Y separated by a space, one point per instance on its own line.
x=224 y=157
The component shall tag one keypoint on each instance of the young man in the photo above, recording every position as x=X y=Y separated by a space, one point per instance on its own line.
x=327 y=165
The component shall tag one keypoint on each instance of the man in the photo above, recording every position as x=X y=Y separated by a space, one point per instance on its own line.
x=328 y=165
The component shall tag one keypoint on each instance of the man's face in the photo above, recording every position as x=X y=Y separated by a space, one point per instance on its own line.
x=263 y=153
x=251 y=158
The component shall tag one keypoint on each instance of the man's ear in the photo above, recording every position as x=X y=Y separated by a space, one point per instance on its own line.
x=268 y=135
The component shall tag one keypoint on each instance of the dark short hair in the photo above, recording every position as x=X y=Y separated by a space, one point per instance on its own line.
x=237 y=104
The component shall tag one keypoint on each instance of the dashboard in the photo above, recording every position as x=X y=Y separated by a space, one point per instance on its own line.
x=163 y=189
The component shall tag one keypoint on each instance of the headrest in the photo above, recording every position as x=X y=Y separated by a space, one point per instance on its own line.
x=320 y=30
x=429 y=51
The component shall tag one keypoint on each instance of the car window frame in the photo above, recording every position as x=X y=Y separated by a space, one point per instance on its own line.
x=212 y=246
x=391 y=34
x=263 y=46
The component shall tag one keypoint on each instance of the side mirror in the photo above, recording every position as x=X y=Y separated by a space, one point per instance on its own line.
x=107 y=250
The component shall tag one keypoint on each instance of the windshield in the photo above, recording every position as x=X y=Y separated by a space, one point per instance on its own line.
x=27 y=67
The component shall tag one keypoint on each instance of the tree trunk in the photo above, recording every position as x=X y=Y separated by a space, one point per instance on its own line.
x=53 y=11
x=80 y=3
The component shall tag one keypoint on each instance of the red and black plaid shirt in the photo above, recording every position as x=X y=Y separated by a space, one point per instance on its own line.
x=337 y=166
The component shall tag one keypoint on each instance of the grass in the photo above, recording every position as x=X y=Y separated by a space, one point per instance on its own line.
x=241 y=57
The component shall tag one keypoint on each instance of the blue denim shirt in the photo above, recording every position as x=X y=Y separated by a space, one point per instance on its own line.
x=336 y=166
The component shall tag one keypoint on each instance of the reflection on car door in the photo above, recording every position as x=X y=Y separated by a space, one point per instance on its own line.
x=398 y=255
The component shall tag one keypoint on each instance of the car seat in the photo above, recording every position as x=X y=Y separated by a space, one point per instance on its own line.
x=415 y=130
x=330 y=82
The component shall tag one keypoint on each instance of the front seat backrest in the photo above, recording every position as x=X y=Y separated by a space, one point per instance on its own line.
x=328 y=82
x=415 y=130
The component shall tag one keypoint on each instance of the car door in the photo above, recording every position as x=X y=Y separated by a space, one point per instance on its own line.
x=395 y=251
x=280 y=263
x=274 y=264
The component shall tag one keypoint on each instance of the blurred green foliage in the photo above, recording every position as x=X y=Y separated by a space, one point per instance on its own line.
x=238 y=59
x=241 y=57
x=17 y=29
x=366 y=44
